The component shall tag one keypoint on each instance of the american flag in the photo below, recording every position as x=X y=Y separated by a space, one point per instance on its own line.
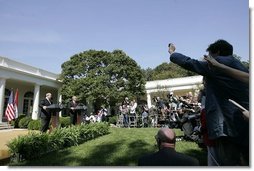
x=10 y=110
x=16 y=99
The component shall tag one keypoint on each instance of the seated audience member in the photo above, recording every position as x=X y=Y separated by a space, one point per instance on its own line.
x=167 y=156
x=91 y=118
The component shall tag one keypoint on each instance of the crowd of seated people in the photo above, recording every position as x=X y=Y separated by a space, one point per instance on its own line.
x=100 y=116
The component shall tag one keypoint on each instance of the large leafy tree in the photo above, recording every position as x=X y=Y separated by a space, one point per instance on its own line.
x=102 y=77
x=166 y=71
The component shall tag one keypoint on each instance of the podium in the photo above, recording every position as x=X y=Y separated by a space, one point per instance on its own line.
x=79 y=109
x=54 y=109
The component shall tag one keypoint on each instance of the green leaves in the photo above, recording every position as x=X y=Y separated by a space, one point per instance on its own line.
x=166 y=71
x=35 y=145
x=103 y=76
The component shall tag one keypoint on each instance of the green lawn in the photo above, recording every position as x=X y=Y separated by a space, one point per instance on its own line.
x=122 y=147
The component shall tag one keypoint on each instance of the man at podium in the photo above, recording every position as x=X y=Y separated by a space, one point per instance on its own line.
x=77 y=110
x=74 y=114
x=45 y=113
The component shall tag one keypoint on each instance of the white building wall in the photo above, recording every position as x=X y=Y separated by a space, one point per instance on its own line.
x=24 y=78
x=184 y=83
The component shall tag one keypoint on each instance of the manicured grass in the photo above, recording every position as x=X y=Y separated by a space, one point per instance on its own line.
x=122 y=147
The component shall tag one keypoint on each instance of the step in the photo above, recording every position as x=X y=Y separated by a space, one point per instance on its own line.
x=4 y=125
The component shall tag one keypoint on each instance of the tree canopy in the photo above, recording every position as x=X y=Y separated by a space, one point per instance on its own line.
x=166 y=71
x=102 y=77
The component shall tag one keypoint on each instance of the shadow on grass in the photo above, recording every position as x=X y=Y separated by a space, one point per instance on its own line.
x=49 y=159
x=110 y=154
x=113 y=152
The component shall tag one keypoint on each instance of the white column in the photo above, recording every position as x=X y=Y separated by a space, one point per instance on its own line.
x=35 y=113
x=2 y=92
x=149 y=102
x=59 y=99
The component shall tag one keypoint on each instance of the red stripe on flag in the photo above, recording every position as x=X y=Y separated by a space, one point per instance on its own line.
x=10 y=111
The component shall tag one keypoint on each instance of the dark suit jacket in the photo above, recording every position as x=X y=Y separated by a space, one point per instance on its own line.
x=45 y=113
x=167 y=157
x=223 y=118
x=71 y=104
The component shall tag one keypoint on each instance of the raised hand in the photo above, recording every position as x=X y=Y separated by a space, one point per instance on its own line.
x=171 y=48
x=211 y=61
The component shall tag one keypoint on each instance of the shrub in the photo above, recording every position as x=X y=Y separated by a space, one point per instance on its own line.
x=15 y=122
x=28 y=146
x=64 y=121
x=34 y=125
x=23 y=123
x=112 y=119
x=34 y=145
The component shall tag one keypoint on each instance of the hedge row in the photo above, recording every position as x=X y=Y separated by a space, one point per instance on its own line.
x=35 y=145
x=24 y=121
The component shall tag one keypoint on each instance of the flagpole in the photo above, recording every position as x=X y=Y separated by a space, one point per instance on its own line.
x=16 y=101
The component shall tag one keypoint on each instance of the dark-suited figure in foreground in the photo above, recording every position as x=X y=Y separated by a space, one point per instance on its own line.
x=167 y=156
x=45 y=114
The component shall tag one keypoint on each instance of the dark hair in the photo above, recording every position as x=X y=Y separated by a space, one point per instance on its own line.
x=223 y=47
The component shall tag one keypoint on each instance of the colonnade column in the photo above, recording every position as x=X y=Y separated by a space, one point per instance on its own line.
x=59 y=98
x=149 y=102
x=2 y=93
x=35 y=113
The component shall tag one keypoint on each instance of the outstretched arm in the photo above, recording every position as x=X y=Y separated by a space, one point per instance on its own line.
x=200 y=67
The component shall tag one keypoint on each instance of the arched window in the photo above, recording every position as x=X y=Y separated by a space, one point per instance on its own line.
x=28 y=103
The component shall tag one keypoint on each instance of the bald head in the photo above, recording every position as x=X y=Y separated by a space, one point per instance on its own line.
x=166 y=135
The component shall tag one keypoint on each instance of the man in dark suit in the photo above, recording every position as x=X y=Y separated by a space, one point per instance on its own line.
x=74 y=114
x=167 y=156
x=45 y=113
x=225 y=122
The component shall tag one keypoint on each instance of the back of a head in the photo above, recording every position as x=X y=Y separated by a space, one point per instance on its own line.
x=222 y=47
x=166 y=135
